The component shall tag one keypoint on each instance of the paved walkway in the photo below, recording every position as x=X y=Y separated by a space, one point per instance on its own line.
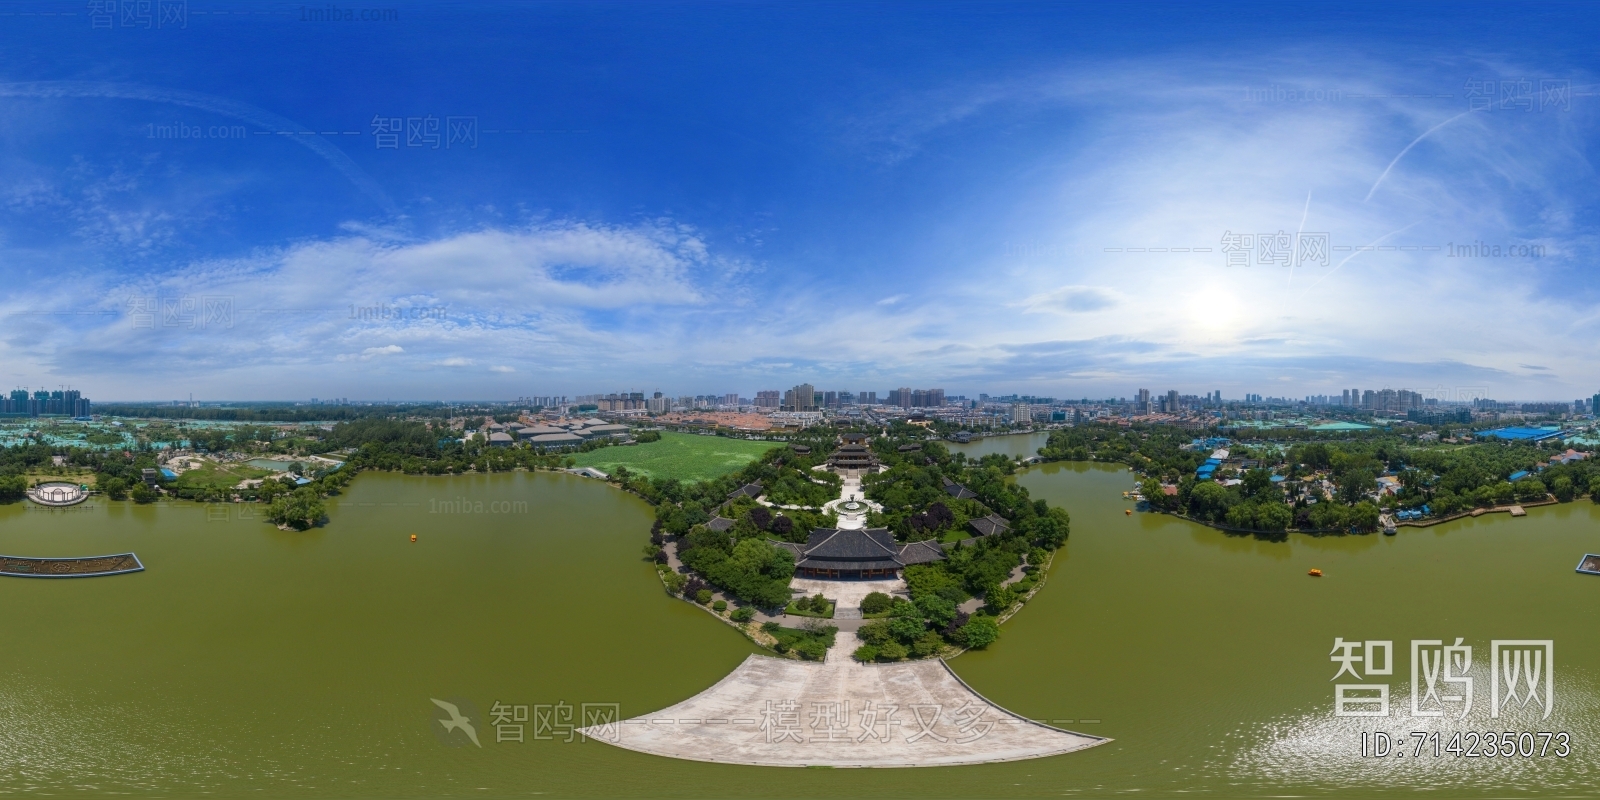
x=838 y=713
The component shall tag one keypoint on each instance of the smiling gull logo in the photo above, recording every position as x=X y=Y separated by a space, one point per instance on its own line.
x=459 y=715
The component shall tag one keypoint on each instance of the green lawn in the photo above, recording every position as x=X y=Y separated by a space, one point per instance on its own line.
x=684 y=456
x=217 y=476
x=794 y=610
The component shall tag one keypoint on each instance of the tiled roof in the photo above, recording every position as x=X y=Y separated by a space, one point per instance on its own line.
x=719 y=524
x=847 y=550
x=958 y=491
x=921 y=553
x=990 y=525
x=747 y=490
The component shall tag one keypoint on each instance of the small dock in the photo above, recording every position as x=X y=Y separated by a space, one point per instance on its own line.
x=83 y=567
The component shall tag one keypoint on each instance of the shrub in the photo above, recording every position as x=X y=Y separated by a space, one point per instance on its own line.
x=875 y=633
x=693 y=587
x=142 y=493
x=892 y=651
x=866 y=653
x=979 y=632
x=661 y=556
x=927 y=644
x=956 y=624
x=876 y=603
x=819 y=604
x=802 y=604
x=742 y=614
x=720 y=605
x=675 y=582
x=703 y=596
x=769 y=627
x=812 y=649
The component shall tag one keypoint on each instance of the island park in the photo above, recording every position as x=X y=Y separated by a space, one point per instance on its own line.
x=906 y=566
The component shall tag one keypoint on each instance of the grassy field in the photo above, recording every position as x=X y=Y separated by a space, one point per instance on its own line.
x=218 y=476
x=684 y=456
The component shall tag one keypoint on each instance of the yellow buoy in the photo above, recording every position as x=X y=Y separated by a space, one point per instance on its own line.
x=1315 y=573
x=1128 y=511
x=413 y=537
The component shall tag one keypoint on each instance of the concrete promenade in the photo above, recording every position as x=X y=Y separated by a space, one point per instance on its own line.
x=784 y=713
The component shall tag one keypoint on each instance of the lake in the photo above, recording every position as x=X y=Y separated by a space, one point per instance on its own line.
x=247 y=659
x=1010 y=444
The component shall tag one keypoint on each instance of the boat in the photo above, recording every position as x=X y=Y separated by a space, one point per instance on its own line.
x=1315 y=573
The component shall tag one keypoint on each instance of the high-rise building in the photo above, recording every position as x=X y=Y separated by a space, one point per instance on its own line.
x=730 y=399
x=1020 y=413
x=802 y=398
x=1142 y=405
x=768 y=398
x=1594 y=405
x=868 y=398
x=1170 y=404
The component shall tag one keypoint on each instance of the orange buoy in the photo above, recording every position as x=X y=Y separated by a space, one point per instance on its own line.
x=1315 y=573
x=1128 y=511
x=413 y=537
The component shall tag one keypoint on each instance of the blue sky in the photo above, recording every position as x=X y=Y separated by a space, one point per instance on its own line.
x=730 y=197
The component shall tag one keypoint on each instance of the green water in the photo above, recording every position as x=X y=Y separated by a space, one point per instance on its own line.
x=1011 y=444
x=246 y=660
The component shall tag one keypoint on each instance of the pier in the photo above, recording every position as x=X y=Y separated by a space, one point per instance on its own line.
x=84 y=567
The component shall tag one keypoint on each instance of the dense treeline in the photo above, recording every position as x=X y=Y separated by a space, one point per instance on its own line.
x=1331 y=483
x=743 y=562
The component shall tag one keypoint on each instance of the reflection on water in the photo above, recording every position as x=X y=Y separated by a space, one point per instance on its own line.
x=252 y=660
x=1012 y=444
x=1429 y=751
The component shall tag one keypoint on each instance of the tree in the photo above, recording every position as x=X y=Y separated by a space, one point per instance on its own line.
x=1050 y=530
x=142 y=493
x=299 y=510
x=1209 y=501
x=999 y=599
x=1256 y=481
x=1563 y=489
x=760 y=517
x=937 y=610
x=13 y=487
x=978 y=633
x=1153 y=493
x=115 y=488
x=1364 y=516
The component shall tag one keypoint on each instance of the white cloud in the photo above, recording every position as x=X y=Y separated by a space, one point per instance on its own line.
x=499 y=368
